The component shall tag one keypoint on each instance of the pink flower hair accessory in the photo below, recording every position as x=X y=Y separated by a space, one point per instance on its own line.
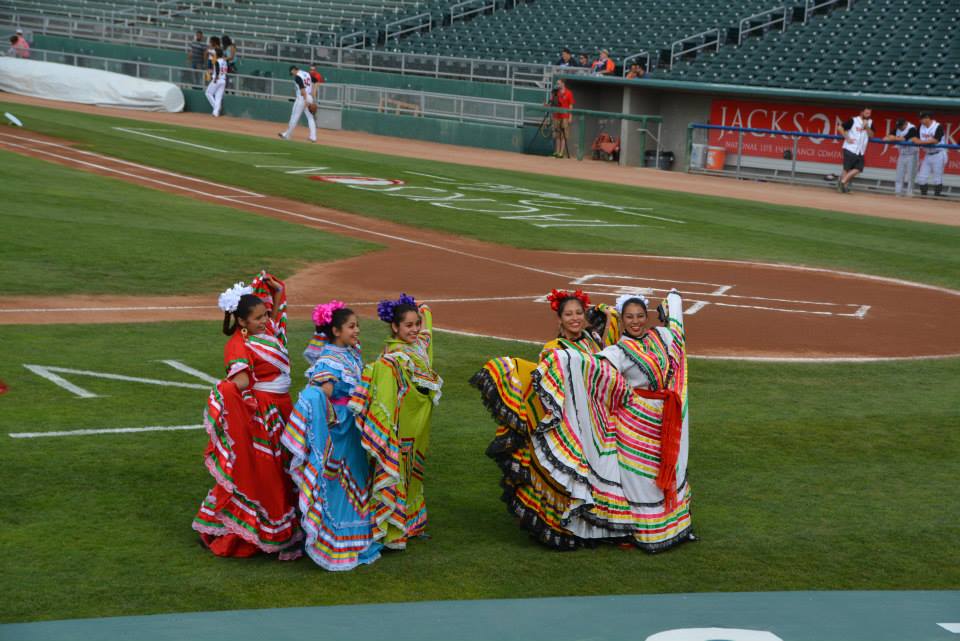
x=323 y=314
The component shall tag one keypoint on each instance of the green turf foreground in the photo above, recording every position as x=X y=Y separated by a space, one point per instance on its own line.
x=522 y=209
x=72 y=232
x=805 y=477
x=770 y=616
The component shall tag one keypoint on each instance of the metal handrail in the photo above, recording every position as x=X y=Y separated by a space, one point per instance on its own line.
x=346 y=56
x=674 y=54
x=782 y=19
x=643 y=54
x=806 y=134
x=809 y=6
x=457 y=14
x=462 y=108
x=428 y=23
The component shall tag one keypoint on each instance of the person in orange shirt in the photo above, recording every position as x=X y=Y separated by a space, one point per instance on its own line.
x=562 y=98
x=603 y=66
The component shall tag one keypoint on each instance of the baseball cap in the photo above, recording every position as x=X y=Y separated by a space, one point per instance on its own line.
x=20 y=32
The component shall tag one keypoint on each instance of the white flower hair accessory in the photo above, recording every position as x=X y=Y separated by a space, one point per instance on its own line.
x=230 y=297
x=622 y=300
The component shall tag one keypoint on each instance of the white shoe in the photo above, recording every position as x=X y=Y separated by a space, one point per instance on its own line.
x=313 y=140
x=284 y=136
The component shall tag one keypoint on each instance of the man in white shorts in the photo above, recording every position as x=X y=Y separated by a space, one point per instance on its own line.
x=934 y=158
x=303 y=105
x=856 y=134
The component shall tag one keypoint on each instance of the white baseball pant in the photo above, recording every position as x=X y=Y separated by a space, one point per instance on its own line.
x=300 y=109
x=906 y=168
x=215 y=95
x=932 y=165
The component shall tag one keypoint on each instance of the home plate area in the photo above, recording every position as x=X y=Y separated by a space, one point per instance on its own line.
x=698 y=295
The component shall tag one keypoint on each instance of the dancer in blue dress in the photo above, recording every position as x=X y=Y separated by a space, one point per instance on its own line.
x=330 y=466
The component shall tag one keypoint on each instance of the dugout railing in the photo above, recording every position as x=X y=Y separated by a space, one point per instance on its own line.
x=779 y=157
x=335 y=96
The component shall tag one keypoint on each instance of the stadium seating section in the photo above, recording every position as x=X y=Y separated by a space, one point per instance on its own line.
x=879 y=46
x=537 y=31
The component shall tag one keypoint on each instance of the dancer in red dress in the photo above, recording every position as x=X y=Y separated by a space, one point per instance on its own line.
x=251 y=506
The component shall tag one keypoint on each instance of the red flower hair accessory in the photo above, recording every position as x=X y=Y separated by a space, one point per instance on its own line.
x=557 y=296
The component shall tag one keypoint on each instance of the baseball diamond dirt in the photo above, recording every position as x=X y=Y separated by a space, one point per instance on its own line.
x=735 y=308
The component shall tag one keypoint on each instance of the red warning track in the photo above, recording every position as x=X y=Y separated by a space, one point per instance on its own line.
x=734 y=308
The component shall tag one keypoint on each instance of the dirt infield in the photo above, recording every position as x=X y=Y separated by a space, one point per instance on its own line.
x=734 y=308
x=944 y=213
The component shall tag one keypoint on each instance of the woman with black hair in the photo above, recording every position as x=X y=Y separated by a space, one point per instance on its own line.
x=616 y=434
x=394 y=405
x=329 y=464
x=506 y=386
x=251 y=506
x=229 y=53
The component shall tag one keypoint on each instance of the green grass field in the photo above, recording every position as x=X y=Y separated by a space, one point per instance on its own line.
x=805 y=476
x=74 y=232
x=814 y=486
x=711 y=227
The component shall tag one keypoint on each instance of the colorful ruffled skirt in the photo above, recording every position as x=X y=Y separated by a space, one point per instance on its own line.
x=250 y=508
x=332 y=472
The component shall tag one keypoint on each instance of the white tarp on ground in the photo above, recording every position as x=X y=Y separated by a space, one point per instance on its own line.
x=87 y=86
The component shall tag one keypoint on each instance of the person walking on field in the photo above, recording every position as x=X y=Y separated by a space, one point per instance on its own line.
x=218 y=82
x=303 y=105
x=909 y=154
x=934 y=158
x=856 y=133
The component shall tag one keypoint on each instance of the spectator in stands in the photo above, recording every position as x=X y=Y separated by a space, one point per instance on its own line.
x=566 y=59
x=934 y=158
x=907 y=161
x=22 y=46
x=856 y=133
x=603 y=66
x=583 y=61
x=562 y=98
x=636 y=71
x=229 y=53
x=318 y=80
x=197 y=52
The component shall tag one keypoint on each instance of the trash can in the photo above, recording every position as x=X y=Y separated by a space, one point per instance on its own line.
x=650 y=158
x=666 y=160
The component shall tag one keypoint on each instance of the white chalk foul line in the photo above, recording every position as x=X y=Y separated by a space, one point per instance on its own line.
x=115 y=430
x=285 y=212
x=127 y=163
x=173 y=140
x=811 y=360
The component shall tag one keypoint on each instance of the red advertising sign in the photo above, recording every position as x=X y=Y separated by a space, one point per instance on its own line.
x=817 y=119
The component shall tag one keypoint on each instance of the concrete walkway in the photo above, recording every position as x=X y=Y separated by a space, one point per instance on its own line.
x=764 y=616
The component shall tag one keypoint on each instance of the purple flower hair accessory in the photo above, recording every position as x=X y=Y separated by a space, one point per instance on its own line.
x=387 y=307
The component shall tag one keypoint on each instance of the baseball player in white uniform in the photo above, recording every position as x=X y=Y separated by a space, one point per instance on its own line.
x=302 y=105
x=856 y=134
x=934 y=159
x=909 y=155
x=218 y=82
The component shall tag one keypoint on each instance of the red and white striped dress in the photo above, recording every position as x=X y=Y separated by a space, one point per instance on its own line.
x=251 y=506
